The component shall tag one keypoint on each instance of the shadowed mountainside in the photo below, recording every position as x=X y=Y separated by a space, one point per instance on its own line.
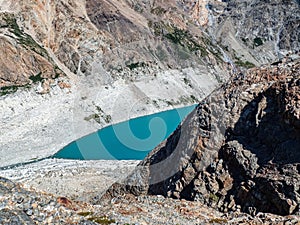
x=239 y=149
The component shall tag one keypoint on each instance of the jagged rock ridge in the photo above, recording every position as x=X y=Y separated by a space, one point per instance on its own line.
x=239 y=149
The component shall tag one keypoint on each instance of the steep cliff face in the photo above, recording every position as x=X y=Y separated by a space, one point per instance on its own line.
x=239 y=149
x=254 y=31
x=131 y=40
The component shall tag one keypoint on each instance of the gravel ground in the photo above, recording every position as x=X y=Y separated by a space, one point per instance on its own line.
x=75 y=179
x=19 y=205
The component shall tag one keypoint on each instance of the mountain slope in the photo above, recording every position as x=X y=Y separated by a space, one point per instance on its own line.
x=108 y=75
x=255 y=31
x=102 y=62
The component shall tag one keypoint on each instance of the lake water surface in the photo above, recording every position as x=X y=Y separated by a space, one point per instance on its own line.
x=132 y=139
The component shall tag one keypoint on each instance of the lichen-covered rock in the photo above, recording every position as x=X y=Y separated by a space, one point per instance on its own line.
x=239 y=149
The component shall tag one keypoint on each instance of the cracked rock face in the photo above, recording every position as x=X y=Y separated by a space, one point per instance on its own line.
x=118 y=34
x=239 y=149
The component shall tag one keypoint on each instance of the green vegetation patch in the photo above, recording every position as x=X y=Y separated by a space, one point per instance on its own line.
x=185 y=39
x=8 y=90
x=258 y=41
x=169 y=103
x=102 y=220
x=213 y=197
x=138 y=8
x=194 y=98
x=177 y=36
x=9 y=21
x=36 y=78
x=155 y=103
x=182 y=99
x=11 y=89
x=245 y=64
x=187 y=82
x=94 y=116
x=107 y=118
x=85 y=214
x=24 y=39
x=245 y=40
x=133 y=66
x=97 y=116
x=58 y=71
x=159 y=11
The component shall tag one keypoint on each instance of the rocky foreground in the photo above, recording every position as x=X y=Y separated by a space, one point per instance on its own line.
x=19 y=205
x=23 y=206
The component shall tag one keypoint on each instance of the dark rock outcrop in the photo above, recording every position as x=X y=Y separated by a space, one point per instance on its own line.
x=238 y=150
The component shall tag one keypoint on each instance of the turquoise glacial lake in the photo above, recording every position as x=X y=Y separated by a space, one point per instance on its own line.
x=132 y=139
